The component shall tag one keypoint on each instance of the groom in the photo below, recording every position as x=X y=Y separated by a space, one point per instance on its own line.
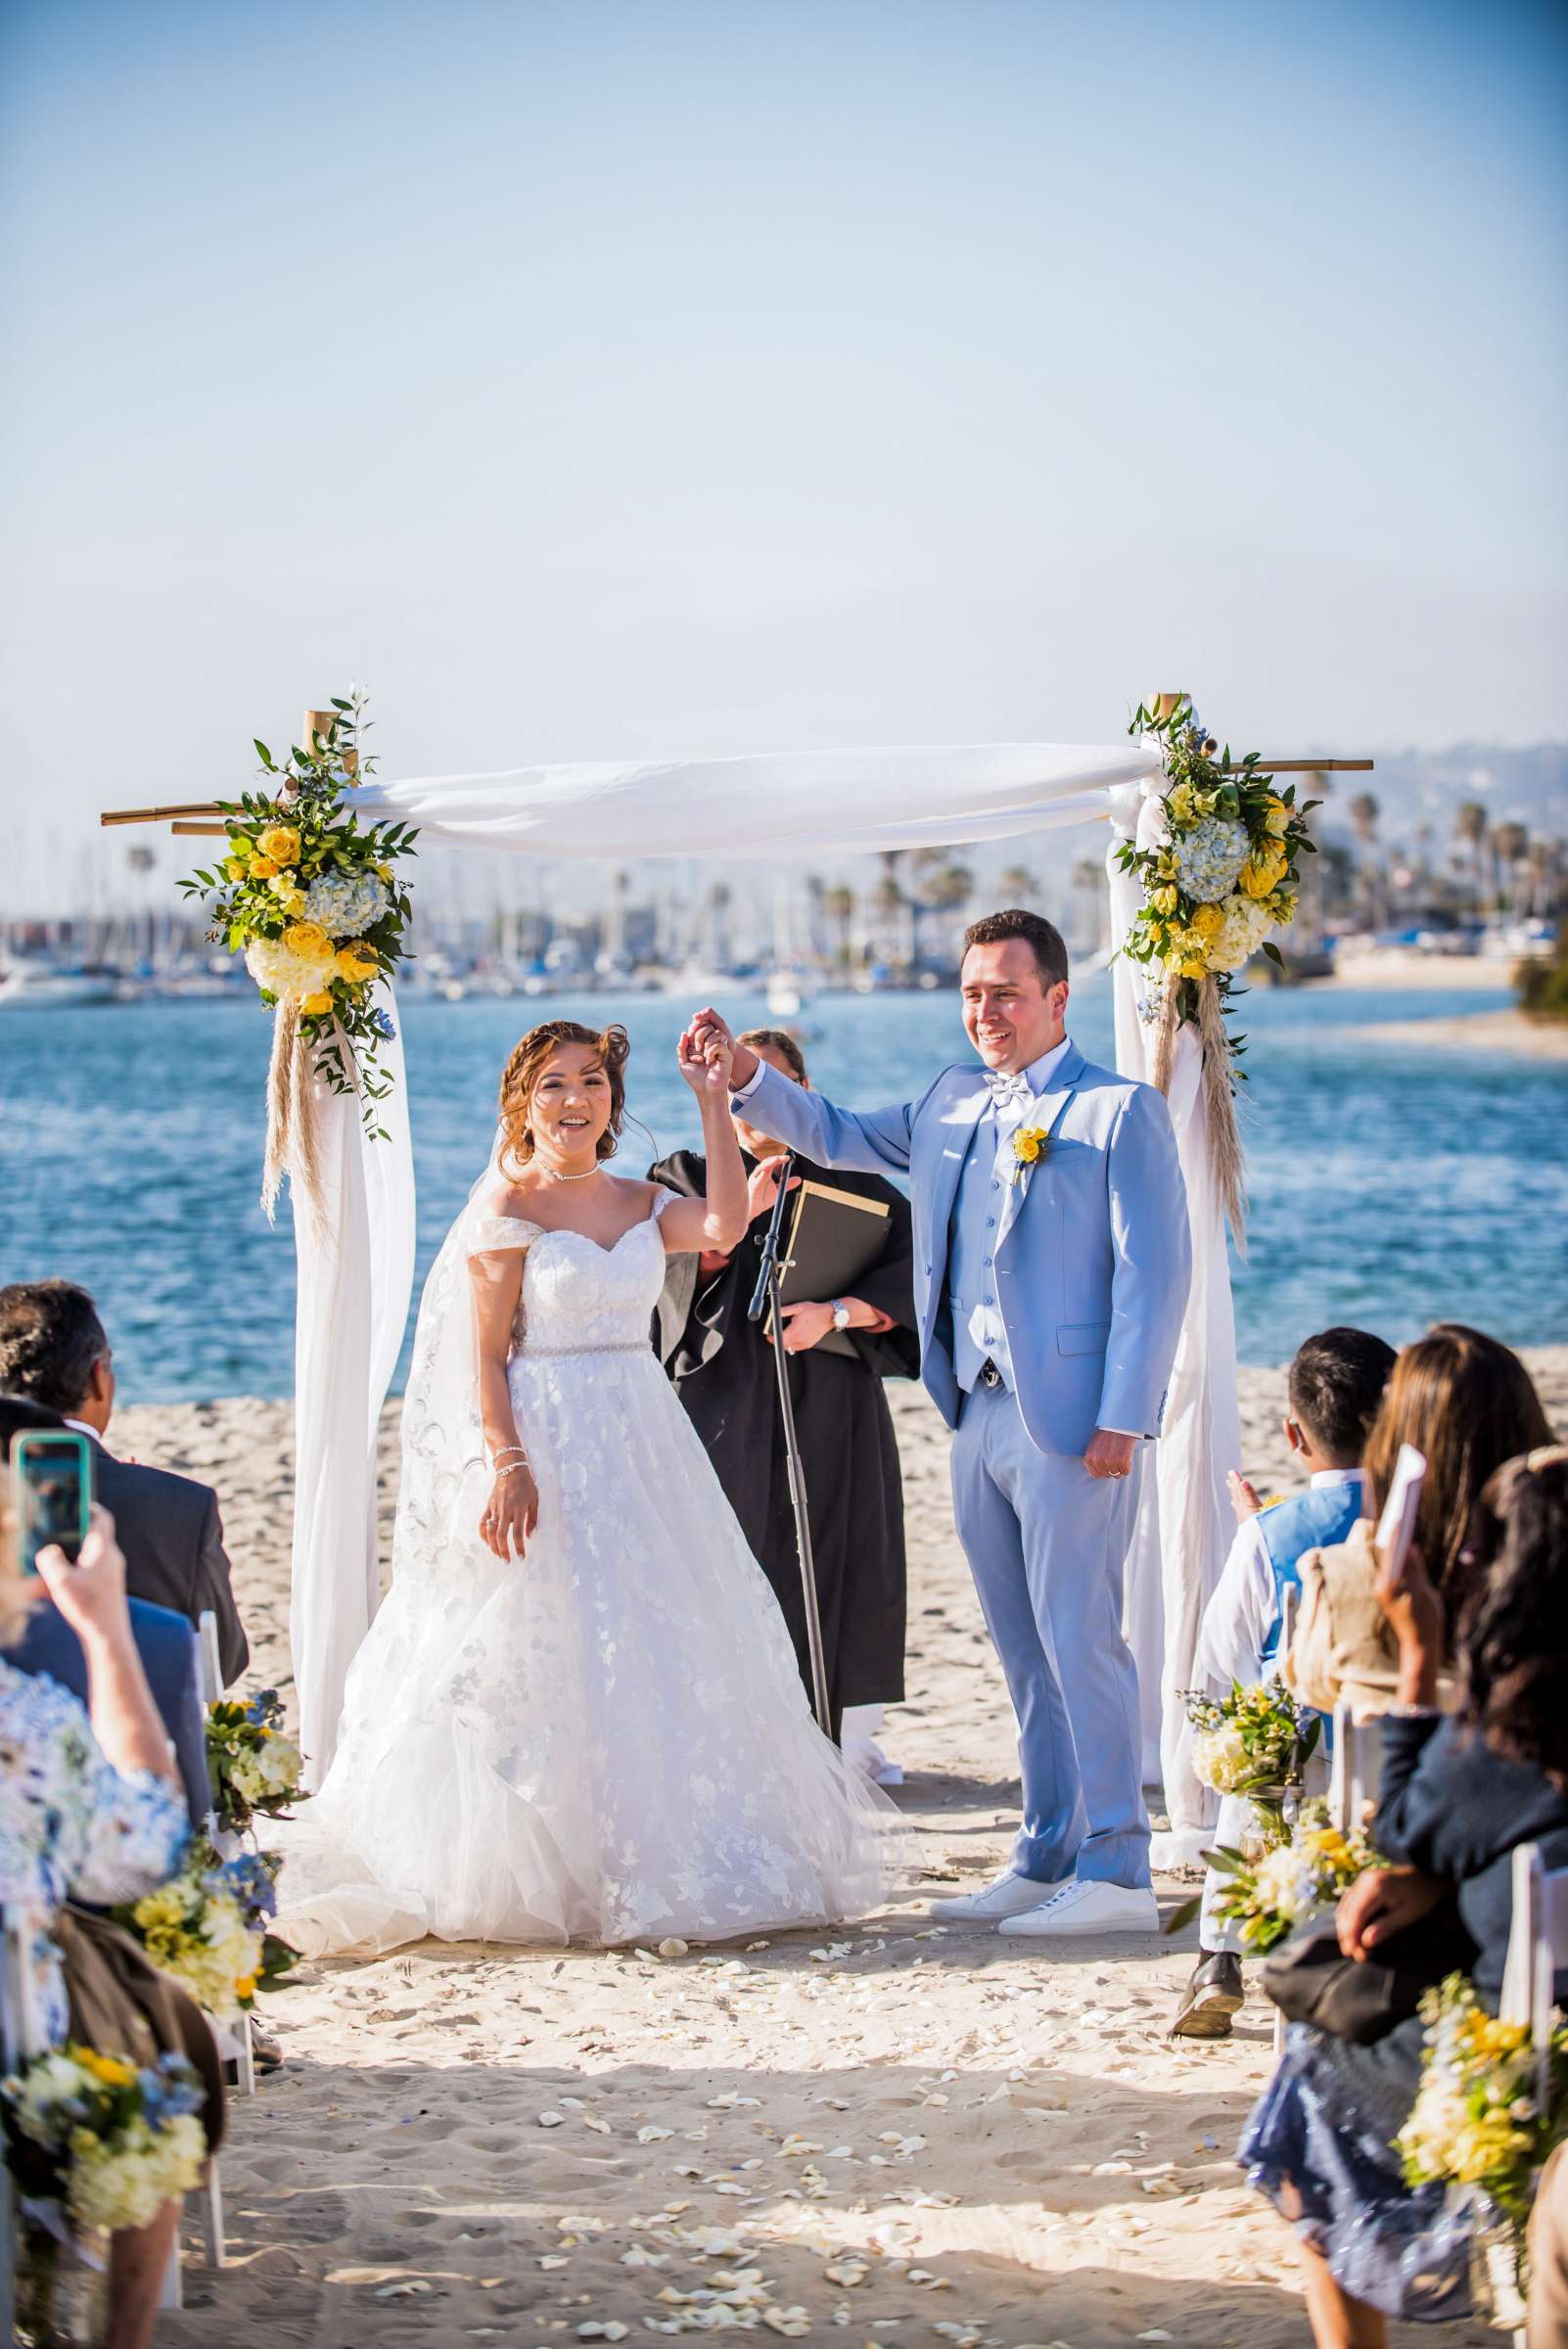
x=1052 y=1258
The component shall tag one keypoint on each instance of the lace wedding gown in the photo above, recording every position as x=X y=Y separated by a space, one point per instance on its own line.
x=606 y=1740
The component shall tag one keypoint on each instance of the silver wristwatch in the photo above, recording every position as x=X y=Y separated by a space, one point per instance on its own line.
x=841 y=1313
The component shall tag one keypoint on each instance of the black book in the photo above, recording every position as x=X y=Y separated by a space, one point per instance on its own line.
x=834 y=1237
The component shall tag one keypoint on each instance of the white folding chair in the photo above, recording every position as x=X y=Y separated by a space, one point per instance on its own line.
x=1538 y=1951
x=233 y=2040
x=1355 y=1771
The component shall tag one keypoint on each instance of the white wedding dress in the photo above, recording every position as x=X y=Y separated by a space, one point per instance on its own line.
x=606 y=1740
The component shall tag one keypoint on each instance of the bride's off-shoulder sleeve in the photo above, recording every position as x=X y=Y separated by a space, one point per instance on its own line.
x=492 y=1234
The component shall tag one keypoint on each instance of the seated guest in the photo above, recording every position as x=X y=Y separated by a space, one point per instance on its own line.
x=723 y=1367
x=93 y=1814
x=1460 y=1792
x=53 y=1352
x=1467 y=1405
x=1333 y=1389
x=165 y=1642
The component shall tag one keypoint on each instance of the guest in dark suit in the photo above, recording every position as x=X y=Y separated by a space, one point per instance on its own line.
x=164 y=1641
x=53 y=1352
x=723 y=1369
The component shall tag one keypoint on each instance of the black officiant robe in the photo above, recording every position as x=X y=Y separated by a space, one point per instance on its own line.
x=723 y=1369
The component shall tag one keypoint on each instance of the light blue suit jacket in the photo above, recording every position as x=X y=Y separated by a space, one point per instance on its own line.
x=1093 y=1254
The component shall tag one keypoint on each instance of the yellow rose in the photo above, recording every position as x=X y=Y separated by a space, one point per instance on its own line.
x=1260 y=874
x=1163 y=900
x=356 y=961
x=263 y=868
x=236 y=867
x=308 y=938
x=280 y=842
x=316 y=1003
x=1180 y=805
x=1209 y=920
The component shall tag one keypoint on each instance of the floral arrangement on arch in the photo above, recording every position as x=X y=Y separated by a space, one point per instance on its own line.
x=314 y=904
x=112 y=2143
x=1221 y=876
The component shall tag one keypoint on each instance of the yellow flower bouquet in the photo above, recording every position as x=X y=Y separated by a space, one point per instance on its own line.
x=112 y=2143
x=1478 y=2121
x=1304 y=1869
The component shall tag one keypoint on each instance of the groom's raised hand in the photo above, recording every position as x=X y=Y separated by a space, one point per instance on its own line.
x=709 y=1032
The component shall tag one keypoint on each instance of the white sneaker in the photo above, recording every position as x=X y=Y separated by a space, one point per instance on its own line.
x=1088 y=1908
x=1010 y=1895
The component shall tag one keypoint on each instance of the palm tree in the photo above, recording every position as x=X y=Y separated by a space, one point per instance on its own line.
x=838 y=903
x=1510 y=845
x=1470 y=831
x=1018 y=886
x=894 y=908
x=1363 y=814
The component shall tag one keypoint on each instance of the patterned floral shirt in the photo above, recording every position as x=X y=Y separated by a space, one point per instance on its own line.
x=72 y=1825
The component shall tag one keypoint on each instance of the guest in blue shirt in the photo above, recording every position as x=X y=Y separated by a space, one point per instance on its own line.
x=1333 y=1389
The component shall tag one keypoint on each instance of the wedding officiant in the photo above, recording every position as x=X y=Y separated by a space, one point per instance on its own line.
x=723 y=1368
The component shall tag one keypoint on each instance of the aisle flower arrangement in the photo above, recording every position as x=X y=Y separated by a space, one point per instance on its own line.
x=111 y=2141
x=1478 y=2120
x=1220 y=877
x=207 y=1928
x=315 y=906
x=254 y=1767
x=1305 y=1868
x=1253 y=1741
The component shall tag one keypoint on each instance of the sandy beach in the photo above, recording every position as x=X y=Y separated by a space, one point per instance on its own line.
x=891 y=2134
x=1508 y=1031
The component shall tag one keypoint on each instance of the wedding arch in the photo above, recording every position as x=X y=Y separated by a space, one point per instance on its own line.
x=1200 y=867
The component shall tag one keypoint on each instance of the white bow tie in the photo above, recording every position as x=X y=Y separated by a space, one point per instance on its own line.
x=1008 y=1089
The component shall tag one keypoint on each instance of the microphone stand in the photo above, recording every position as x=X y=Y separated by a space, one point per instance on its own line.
x=769 y=1292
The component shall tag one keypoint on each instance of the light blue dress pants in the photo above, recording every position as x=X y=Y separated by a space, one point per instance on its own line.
x=1046 y=1544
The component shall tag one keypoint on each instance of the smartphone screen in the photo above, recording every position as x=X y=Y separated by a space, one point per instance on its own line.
x=53 y=1474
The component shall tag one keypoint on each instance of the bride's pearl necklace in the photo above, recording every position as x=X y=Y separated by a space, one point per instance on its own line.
x=555 y=1173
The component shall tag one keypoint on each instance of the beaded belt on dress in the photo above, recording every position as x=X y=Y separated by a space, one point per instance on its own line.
x=616 y=1345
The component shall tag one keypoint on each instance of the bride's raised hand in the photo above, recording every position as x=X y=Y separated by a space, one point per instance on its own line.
x=511 y=1513
x=706 y=1064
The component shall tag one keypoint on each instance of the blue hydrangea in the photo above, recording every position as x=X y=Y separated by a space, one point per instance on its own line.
x=346 y=904
x=1210 y=858
x=171 y=2092
x=249 y=1880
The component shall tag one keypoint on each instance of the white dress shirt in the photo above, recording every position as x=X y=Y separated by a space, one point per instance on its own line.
x=1233 y=1637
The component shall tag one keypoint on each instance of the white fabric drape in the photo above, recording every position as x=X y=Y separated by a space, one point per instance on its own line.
x=353 y=1295
x=1184 y=1519
x=351 y=1305
x=848 y=802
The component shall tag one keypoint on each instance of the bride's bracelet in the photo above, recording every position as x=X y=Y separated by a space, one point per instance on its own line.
x=515 y=1468
x=512 y=1452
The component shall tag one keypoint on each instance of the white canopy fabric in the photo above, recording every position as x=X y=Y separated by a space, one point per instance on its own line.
x=817 y=802
x=797 y=803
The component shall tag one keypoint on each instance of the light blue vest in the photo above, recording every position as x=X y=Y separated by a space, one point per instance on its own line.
x=1311 y=1520
x=978 y=1328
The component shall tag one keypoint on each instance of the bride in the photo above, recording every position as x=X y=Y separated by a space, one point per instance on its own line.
x=577 y=1715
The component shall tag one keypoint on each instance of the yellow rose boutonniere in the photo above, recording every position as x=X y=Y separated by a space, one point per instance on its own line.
x=1030 y=1145
x=280 y=842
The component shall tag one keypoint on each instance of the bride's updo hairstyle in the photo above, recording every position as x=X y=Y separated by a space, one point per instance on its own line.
x=610 y=1046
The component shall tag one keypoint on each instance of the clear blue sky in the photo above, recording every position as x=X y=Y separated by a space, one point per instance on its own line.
x=615 y=377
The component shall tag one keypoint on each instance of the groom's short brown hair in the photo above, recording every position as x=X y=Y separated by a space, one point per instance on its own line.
x=1040 y=936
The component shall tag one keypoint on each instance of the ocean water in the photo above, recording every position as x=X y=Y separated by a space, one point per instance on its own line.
x=1391 y=1185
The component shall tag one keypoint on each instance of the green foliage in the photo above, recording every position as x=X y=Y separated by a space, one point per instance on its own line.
x=1542 y=987
x=314 y=904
